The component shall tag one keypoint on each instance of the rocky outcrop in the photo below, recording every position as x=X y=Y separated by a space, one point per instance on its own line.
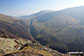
x=33 y=49
x=24 y=47
x=7 y=45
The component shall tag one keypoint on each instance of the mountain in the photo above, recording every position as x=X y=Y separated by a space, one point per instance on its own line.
x=16 y=40
x=14 y=26
x=60 y=30
x=76 y=12
x=36 y=14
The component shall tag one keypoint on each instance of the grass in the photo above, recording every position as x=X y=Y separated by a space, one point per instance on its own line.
x=33 y=50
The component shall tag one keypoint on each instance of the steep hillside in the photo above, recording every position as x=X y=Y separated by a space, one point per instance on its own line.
x=54 y=32
x=14 y=26
x=61 y=30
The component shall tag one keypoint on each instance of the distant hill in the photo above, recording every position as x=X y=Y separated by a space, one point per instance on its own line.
x=36 y=14
x=61 y=30
x=75 y=12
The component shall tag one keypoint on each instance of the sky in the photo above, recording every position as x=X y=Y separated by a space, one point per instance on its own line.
x=27 y=7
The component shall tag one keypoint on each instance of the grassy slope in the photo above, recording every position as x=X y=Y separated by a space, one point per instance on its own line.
x=59 y=32
x=14 y=26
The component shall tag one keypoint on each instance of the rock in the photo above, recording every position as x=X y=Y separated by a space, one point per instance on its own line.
x=8 y=45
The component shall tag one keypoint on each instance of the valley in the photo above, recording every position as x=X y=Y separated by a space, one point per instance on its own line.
x=46 y=33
